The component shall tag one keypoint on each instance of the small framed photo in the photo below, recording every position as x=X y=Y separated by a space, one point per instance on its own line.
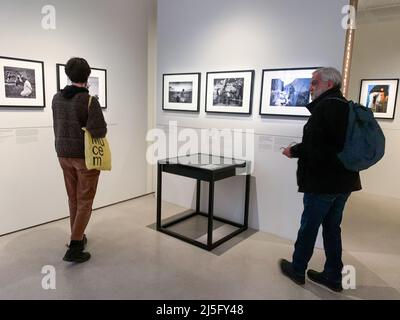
x=181 y=92
x=97 y=83
x=21 y=83
x=286 y=91
x=380 y=96
x=230 y=92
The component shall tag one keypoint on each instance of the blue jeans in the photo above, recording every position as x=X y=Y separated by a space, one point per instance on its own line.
x=325 y=209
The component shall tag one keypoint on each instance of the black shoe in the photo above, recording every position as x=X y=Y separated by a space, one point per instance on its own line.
x=75 y=252
x=287 y=270
x=319 y=277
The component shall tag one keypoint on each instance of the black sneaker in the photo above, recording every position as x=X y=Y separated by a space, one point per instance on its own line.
x=287 y=270
x=319 y=277
x=76 y=255
x=75 y=252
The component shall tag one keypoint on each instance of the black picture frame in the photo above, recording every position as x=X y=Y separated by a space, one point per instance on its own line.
x=293 y=110
x=245 y=97
x=17 y=93
x=182 y=102
x=368 y=93
x=62 y=81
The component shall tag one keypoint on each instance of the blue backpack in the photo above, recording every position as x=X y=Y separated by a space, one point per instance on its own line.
x=365 y=142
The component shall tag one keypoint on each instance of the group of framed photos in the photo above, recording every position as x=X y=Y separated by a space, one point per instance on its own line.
x=226 y=92
x=22 y=83
x=284 y=92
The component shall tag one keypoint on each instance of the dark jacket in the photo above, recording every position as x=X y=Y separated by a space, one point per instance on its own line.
x=319 y=169
x=70 y=114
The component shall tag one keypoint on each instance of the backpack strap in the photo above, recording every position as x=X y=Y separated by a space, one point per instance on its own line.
x=355 y=108
x=339 y=99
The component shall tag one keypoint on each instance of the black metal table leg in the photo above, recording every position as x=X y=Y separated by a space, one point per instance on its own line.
x=159 y=188
x=210 y=214
x=246 y=202
x=198 y=196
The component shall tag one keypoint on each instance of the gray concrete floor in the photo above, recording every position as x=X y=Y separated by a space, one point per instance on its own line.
x=130 y=260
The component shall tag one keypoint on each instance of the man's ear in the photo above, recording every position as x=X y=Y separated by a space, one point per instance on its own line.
x=331 y=84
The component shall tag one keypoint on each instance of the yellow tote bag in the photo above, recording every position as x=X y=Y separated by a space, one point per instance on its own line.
x=97 y=151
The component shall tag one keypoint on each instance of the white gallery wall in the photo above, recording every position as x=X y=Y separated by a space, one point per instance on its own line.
x=376 y=56
x=227 y=35
x=110 y=35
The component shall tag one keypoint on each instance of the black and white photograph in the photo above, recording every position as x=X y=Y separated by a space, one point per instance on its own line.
x=19 y=83
x=286 y=91
x=22 y=82
x=380 y=96
x=181 y=92
x=229 y=92
x=97 y=83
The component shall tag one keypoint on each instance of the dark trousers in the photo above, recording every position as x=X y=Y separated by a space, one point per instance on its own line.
x=325 y=209
x=81 y=185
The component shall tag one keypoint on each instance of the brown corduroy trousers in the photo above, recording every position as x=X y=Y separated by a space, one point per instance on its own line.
x=81 y=185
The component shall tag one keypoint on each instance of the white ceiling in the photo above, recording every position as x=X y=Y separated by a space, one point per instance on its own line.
x=377 y=4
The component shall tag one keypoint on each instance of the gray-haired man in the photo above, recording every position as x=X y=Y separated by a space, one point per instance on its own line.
x=322 y=178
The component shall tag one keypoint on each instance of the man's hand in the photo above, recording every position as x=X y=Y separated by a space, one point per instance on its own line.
x=286 y=152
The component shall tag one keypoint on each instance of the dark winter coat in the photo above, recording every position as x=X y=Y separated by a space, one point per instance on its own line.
x=319 y=169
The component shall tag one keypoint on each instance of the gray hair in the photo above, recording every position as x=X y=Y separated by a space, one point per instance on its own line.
x=330 y=74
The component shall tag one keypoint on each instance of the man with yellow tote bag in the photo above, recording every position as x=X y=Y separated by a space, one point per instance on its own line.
x=70 y=115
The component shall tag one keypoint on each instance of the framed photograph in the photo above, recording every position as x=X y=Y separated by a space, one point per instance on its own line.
x=380 y=96
x=21 y=83
x=97 y=83
x=230 y=92
x=181 y=92
x=286 y=91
